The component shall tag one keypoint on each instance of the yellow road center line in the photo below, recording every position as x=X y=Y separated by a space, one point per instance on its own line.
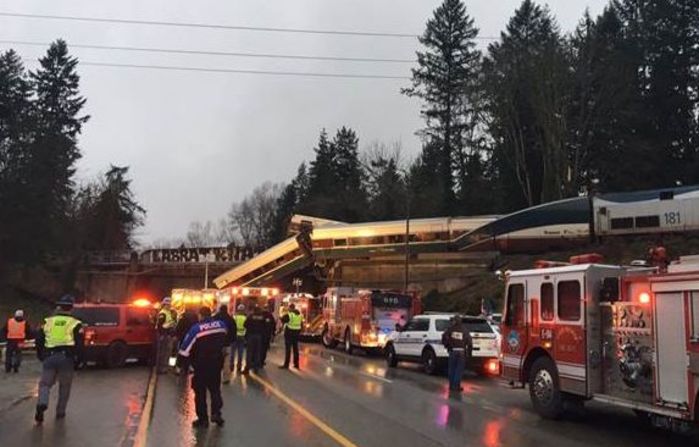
x=142 y=432
x=339 y=438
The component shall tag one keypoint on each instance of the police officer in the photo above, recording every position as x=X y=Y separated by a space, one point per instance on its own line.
x=164 y=325
x=15 y=332
x=458 y=342
x=59 y=345
x=292 y=322
x=268 y=335
x=238 y=348
x=203 y=345
x=255 y=330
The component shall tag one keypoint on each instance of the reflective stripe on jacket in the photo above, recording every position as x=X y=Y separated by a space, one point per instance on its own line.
x=169 y=319
x=16 y=330
x=295 y=321
x=240 y=324
x=59 y=331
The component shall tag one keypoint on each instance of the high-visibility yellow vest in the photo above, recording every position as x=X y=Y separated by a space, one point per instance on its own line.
x=59 y=330
x=16 y=330
x=169 y=319
x=240 y=324
x=295 y=321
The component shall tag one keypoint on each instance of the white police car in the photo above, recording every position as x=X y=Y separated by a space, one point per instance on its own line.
x=420 y=341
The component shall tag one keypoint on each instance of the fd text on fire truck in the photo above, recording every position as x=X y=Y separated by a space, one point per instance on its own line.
x=627 y=337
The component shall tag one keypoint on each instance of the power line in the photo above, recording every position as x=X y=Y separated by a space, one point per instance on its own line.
x=215 y=53
x=230 y=70
x=219 y=26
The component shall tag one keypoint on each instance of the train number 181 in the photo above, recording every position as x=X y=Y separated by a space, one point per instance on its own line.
x=673 y=218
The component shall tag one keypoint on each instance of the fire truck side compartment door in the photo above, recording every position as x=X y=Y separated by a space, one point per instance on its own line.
x=671 y=353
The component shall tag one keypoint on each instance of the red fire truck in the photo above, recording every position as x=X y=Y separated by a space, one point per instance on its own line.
x=625 y=336
x=360 y=318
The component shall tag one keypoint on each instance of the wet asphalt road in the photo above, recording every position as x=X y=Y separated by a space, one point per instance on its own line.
x=357 y=398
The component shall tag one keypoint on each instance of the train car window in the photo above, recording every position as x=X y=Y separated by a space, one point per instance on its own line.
x=622 y=223
x=340 y=242
x=695 y=316
x=515 y=305
x=667 y=195
x=569 y=301
x=647 y=221
x=547 y=310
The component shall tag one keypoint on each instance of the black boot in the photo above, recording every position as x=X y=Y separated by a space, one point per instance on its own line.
x=218 y=420
x=39 y=416
x=200 y=423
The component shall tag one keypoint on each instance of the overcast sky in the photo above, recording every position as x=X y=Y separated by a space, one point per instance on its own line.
x=196 y=142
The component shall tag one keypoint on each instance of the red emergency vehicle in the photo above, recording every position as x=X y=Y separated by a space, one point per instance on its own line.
x=620 y=335
x=309 y=307
x=364 y=318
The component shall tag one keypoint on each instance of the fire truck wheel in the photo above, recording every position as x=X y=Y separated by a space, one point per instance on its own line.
x=391 y=358
x=544 y=389
x=347 y=344
x=429 y=362
x=327 y=339
x=116 y=354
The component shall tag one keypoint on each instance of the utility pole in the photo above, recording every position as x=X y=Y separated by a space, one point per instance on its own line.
x=407 y=233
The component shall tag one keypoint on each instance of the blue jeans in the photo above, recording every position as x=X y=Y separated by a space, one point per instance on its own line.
x=457 y=364
x=238 y=347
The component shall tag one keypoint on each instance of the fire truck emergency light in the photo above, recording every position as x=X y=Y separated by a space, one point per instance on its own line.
x=141 y=302
x=644 y=298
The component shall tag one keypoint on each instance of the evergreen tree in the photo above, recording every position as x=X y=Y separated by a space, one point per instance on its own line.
x=116 y=214
x=386 y=187
x=50 y=167
x=15 y=125
x=606 y=114
x=527 y=86
x=446 y=80
x=663 y=35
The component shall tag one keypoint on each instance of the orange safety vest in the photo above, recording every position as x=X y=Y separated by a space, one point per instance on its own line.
x=16 y=330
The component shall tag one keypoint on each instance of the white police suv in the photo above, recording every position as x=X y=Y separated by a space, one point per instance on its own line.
x=420 y=341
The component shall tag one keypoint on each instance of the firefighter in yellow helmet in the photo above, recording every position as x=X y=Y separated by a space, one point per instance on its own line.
x=293 y=321
x=59 y=345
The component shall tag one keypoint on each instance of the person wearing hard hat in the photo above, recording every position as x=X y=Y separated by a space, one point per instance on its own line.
x=238 y=349
x=59 y=345
x=15 y=332
x=165 y=326
x=293 y=321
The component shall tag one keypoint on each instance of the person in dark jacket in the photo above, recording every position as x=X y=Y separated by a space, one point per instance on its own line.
x=255 y=330
x=225 y=317
x=458 y=342
x=203 y=345
x=267 y=337
x=184 y=324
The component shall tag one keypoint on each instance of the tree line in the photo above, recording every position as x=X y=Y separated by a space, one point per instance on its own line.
x=44 y=210
x=539 y=115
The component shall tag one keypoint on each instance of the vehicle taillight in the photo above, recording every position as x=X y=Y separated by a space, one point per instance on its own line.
x=492 y=366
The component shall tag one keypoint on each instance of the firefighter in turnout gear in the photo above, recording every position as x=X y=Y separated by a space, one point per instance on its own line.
x=59 y=346
x=15 y=332
x=293 y=322
x=165 y=326
x=204 y=345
